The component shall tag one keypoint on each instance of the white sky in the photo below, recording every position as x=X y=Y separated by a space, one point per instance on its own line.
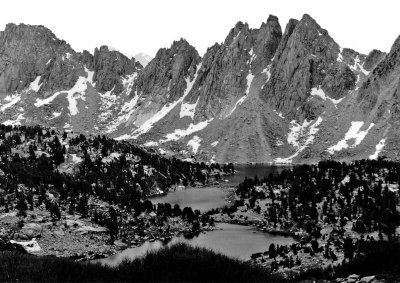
x=145 y=26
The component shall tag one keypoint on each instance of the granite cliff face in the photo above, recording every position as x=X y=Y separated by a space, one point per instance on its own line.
x=109 y=69
x=261 y=95
x=29 y=51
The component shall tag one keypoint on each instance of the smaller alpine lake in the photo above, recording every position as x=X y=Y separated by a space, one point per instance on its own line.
x=233 y=240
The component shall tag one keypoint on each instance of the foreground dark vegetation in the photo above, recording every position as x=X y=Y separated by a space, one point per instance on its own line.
x=177 y=263
x=181 y=262
x=381 y=259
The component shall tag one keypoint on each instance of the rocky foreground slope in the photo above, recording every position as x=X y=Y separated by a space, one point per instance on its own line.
x=261 y=95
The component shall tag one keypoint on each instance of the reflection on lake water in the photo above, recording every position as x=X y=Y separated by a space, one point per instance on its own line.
x=203 y=199
x=233 y=240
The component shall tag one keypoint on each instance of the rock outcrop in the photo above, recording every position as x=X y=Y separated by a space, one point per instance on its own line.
x=109 y=66
x=27 y=52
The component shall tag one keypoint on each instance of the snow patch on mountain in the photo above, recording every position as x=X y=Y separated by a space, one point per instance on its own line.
x=249 y=79
x=146 y=126
x=11 y=99
x=240 y=101
x=108 y=99
x=75 y=93
x=378 y=149
x=279 y=114
x=194 y=143
x=128 y=107
x=358 y=67
x=213 y=159
x=128 y=82
x=56 y=114
x=279 y=142
x=318 y=91
x=353 y=133
x=299 y=133
x=179 y=133
x=188 y=109
x=151 y=143
x=35 y=86
x=340 y=56
x=78 y=92
x=15 y=122
x=267 y=71
x=296 y=132
x=40 y=102
x=67 y=55
x=236 y=36
x=252 y=56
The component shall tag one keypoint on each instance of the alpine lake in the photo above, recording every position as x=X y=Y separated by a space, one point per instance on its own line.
x=238 y=241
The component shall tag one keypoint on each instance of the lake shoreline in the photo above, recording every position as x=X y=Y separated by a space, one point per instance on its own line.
x=217 y=239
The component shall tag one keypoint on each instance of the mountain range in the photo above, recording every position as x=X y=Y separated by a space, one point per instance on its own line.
x=261 y=95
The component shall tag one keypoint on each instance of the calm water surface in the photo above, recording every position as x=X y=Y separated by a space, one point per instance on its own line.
x=233 y=240
x=205 y=199
x=202 y=199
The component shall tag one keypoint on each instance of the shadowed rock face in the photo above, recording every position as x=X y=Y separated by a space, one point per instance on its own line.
x=109 y=67
x=165 y=74
x=26 y=52
x=226 y=68
x=373 y=58
x=259 y=96
x=303 y=60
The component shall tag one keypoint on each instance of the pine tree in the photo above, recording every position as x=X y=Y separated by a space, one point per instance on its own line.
x=21 y=206
x=272 y=251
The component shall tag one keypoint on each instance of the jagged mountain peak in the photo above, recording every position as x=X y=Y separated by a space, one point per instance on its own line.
x=179 y=45
x=272 y=21
x=306 y=18
x=31 y=49
x=109 y=66
x=386 y=64
x=302 y=61
x=259 y=96
x=25 y=30
x=309 y=30
x=272 y=18
x=107 y=48
x=396 y=45
x=236 y=31
x=383 y=79
x=165 y=76
x=180 y=50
